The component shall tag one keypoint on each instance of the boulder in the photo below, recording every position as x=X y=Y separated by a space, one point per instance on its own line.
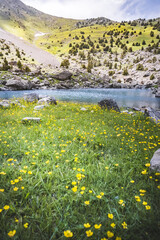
x=158 y=92
x=39 y=107
x=110 y=104
x=63 y=76
x=48 y=100
x=155 y=161
x=153 y=114
x=30 y=119
x=19 y=84
x=32 y=97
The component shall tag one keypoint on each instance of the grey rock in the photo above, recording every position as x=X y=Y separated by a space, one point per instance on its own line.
x=48 y=100
x=4 y=104
x=32 y=97
x=39 y=107
x=153 y=114
x=155 y=161
x=31 y=119
x=63 y=75
x=146 y=74
x=110 y=104
x=158 y=93
x=19 y=84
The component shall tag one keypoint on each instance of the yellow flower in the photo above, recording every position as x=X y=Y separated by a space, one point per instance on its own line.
x=16 y=220
x=124 y=224
x=22 y=188
x=2 y=173
x=142 y=191
x=110 y=215
x=147 y=164
x=47 y=161
x=25 y=225
x=103 y=238
x=79 y=176
x=83 y=188
x=113 y=225
x=137 y=198
x=106 y=168
x=118 y=238
x=12 y=233
x=15 y=189
x=148 y=207
x=97 y=226
x=68 y=234
x=132 y=181
x=158 y=186
x=87 y=225
x=6 y=207
x=1 y=210
x=144 y=203
x=90 y=191
x=1 y=190
x=87 y=202
x=74 y=183
x=82 y=192
x=30 y=172
x=144 y=172
x=116 y=164
x=89 y=233
x=74 y=189
x=99 y=196
x=102 y=193
x=157 y=174
x=110 y=234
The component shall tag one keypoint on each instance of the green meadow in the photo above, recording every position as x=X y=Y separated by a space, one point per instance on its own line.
x=78 y=174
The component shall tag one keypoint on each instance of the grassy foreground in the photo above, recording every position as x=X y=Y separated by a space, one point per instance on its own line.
x=78 y=174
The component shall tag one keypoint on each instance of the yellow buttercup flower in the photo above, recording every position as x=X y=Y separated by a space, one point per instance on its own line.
x=68 y=234
x=12 y=233
x=15 y=189
x=110 y=215
x=87 y=202
x=148 y=207
x=25 y=225
x=87 y=225
x=74 y=189
x=113 y=225
x=97 y=226
x=1 y=190
x=124 y=224
x=89 y=233
x=110 y=234
x=6 y=207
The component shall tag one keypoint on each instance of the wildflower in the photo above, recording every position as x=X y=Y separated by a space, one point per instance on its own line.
x=157 y=174
x=30 y=172
x=87 y=225
x=102 y=193
x=97 y=226
x=144 y=203
x=158 y=186
x=2 y=173
x=22 y=188
x=74 y=183
x=148 y=207
x=16 y=220
x=82 y=192
x=25 y=225
x=124 y=224
x=132 y=181
x=106 y=168
x=74 y=189
x=142 y=190
x=144 y=172
x=83 y=188
x=1 y=190
x=15 y=189
x=87 y=202
x=12 y=233
x=118 y=238
x=137 y=198
x=147 y=164
x=110 y=215
x=90 y=191
x=116 y=164
x=68 y=234
x=103 y=238
x=1 y=210
x=47 y=161
x=110 y=234
x=6 y=207
x=79 y=176
x=99 y=196
x=89 y=233
x=113 y=225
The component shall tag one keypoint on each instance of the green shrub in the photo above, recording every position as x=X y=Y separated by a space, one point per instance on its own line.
x=65 y=63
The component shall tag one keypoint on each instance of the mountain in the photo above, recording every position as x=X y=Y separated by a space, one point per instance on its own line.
x=25 y=21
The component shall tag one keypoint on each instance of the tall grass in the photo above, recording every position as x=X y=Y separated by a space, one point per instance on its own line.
x=78 y=174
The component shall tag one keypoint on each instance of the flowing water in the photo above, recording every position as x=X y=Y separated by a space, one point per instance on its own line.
x=124 y=97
